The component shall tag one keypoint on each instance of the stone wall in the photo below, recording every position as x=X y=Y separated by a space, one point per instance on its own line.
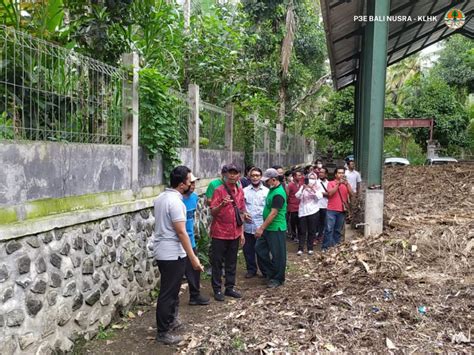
x=63 y=284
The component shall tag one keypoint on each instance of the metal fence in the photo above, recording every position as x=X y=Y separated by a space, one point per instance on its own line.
x=181 y=112
x=48 y=92
x=212 y=127
x=294 y=149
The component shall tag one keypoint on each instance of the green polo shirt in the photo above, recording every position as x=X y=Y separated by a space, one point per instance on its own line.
x=213 y=185
x=279 y=222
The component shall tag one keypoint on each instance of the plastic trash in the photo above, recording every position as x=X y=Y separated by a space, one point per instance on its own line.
x=422 y=310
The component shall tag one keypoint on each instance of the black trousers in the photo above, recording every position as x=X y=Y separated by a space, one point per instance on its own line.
x=321 y=222
x=308 y=225
x=224 y=252
x=194 y=279
x=294 y=225
x=172 y=272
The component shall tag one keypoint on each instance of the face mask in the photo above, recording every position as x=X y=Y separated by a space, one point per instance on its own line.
x=312 y=181
x=319 y=166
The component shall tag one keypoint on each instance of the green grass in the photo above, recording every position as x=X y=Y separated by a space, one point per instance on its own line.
x=105 y=333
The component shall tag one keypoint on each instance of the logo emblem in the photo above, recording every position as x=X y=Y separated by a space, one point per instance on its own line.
x=454 y=19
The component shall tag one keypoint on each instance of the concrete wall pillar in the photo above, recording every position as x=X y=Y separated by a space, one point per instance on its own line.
x=130 y=112
x=229 y=130
x=266 y=142
x=193 y=125
x=373 y=219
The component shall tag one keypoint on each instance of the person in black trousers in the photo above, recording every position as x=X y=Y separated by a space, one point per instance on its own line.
x=171 y=249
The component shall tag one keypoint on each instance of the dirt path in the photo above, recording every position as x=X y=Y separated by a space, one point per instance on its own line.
x=137 y=335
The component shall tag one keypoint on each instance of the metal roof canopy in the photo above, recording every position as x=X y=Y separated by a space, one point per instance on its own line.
x=344 y=34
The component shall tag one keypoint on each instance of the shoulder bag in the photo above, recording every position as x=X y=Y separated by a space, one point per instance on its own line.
x=238 y=216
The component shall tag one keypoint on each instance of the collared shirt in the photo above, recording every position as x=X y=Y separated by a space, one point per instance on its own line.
x=353 y=177
x=224 y=225
x=335 y=202
x=254 y=203
x=293 y=202
x=323 y=202
x=169 y=208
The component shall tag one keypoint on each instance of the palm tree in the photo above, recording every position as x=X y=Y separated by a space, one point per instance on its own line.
x=398 y=74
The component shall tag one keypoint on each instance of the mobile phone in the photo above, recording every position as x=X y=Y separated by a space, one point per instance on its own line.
x=306 y=181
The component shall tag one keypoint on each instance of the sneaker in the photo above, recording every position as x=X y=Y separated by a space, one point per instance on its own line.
x=299 y=253
x=310 y=252
x=233 y=293
x=199 y=300
x=273 y=284
x=218 y=296
x=249 y=275
x=168 y=339
x=176 y=324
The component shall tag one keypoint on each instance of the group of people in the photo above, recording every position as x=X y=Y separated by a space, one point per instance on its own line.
x=257 y=212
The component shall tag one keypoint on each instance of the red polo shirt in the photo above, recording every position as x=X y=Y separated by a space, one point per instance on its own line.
x=293 y=202
x=224 y=225
x=335 y=201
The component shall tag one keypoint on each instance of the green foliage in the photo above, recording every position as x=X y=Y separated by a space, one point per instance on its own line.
x=6 y=127
x=404 y=146
x=158 y=129
x=203 y=243
x=456 y=63
x=335 y=125
x=105 y=333
x=431 y=96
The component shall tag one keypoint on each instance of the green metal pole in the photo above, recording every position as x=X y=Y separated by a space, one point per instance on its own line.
x=373 y=103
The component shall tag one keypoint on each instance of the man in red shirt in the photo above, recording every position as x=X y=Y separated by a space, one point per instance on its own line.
x=294 y=203
x=226 y=232
x=339 y=191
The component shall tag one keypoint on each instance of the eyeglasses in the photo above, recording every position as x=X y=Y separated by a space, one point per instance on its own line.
x=255 y=175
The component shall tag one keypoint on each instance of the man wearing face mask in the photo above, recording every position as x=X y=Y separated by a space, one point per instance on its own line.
x=318 y=164
x=271 y=241
x=255 y=195
x=226 y=232
x=308 y=212
x=171 y=248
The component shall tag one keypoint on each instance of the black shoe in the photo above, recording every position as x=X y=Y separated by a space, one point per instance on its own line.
x=233 y=293
x=249 y=275
x=218 y=296
x=176 y=324
x=199 y=301
x=168 y=339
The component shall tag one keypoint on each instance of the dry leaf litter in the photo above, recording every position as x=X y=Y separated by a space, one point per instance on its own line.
x=409 y=290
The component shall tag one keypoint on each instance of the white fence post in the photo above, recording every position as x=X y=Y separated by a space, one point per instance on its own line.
x=130 y=112
x=229 y=130
x=193 y=125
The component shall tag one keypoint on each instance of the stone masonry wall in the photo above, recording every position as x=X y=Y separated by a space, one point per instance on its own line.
x=61 y=285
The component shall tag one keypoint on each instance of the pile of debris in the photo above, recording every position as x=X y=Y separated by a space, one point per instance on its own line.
x=407 y=290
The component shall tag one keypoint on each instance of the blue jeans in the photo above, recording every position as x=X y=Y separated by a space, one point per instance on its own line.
x=334 y=224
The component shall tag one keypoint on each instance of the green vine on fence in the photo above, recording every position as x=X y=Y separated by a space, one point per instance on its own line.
x=159 y=132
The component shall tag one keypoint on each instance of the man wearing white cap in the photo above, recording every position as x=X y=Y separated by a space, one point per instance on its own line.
x=190 y=200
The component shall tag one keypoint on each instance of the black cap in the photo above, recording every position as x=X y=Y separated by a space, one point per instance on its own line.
x=230 y=167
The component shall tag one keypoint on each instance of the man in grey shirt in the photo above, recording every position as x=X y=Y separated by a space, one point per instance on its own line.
x=171 y=247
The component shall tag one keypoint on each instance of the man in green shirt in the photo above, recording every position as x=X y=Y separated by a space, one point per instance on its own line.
x=271 y=242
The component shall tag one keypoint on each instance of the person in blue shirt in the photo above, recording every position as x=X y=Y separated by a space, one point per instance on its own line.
x=190 y=200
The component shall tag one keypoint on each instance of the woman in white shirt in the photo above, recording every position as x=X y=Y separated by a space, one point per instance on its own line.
x=309 y=194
